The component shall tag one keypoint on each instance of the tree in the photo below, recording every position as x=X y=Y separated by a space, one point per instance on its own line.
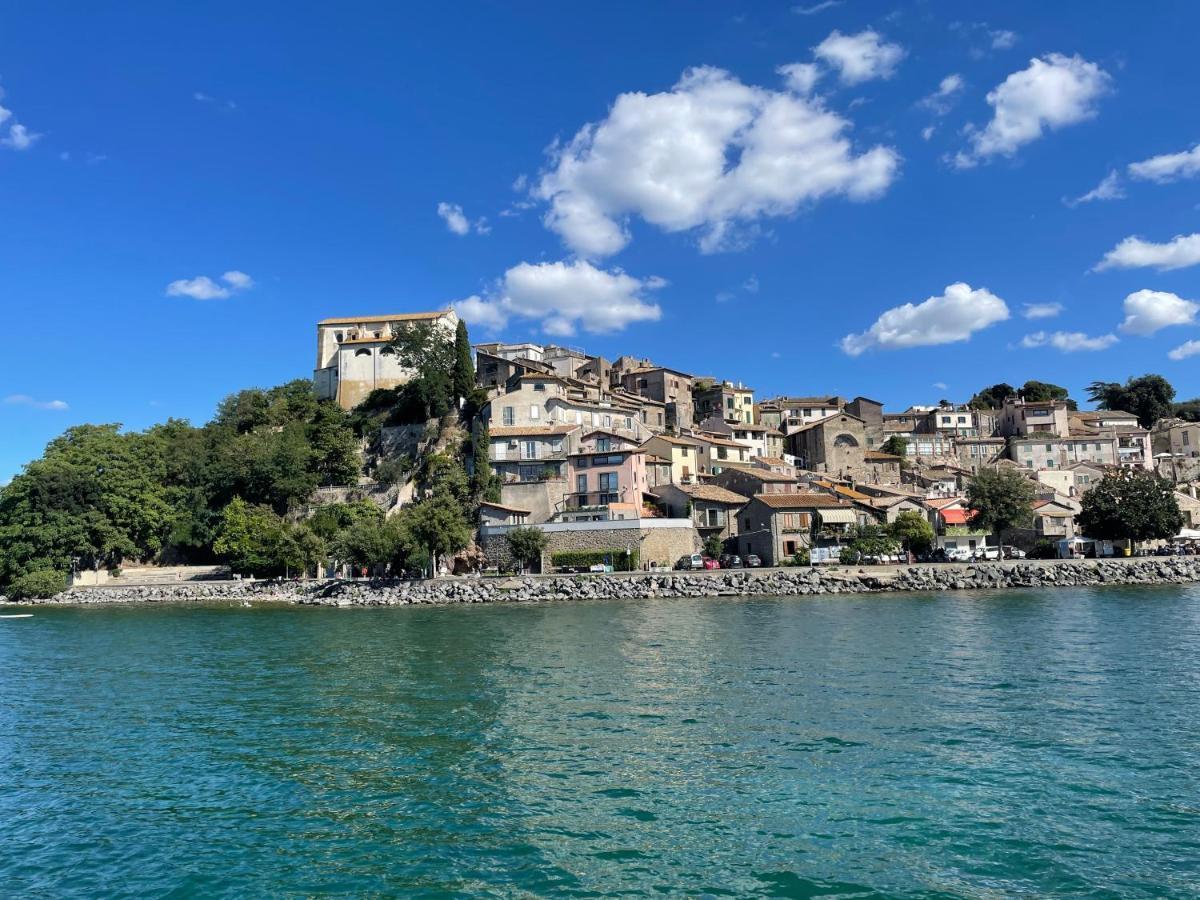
x=429 y=352
x=1188 y=410
x=485 y=484
x=895 y=445
x=372 y=542
x=713 y=546
x=869 y=542
x=526 y=545
x=438 y=526
x=992 y=397
x=37 y=585
x=913 y=531
x=442 y=474
x=464 y=367
x=1042 y=392
x=1001 y=499
x=1148 y=397
x=250 y=539
x=1130 y=504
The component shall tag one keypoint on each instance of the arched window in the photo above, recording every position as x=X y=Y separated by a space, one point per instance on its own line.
x=363 y=352
x=388 y=351
x=845 y=440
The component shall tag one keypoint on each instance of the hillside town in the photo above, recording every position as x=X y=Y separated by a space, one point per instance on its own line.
x=632 y=456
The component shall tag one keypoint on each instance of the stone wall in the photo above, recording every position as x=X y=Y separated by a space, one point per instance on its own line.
x=655 y=545
x=643 y=585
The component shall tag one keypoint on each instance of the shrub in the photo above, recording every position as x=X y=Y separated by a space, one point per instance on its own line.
x=1043 y=549
x=38 y=584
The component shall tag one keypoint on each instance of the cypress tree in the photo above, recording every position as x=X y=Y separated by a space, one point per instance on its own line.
x=464 y=369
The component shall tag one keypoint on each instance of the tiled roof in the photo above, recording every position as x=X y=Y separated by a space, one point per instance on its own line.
x=395 y=317
x=772 y=461
x=801 y=501
x=712 y=493
x=530 y=430
x=761 y=474
x=503 y=508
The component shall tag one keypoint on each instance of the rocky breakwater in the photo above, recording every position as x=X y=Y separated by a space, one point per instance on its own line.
x=643 y=585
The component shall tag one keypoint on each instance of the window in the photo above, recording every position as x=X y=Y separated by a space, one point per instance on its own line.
x=629 y=423
x=1186 y=438
x=509 y=416
x=962 y=420
x=362 y=352
x=1049 y=464
x=581 y=484
x=534 y=412
x=581 y=463
x=714 y=518
x=339 y=337
x=539 y=386
x=608 y=421
x=945 y=420
x=1049 y=448
x=529 y=450
x=608 y=482
x=602 y=444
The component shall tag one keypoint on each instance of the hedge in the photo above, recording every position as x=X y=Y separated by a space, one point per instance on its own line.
x=621 y=560
x=38 y=584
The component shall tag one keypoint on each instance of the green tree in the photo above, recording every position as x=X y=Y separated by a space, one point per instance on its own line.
x=330 y=521
x=895 y=445
x=1130 y=504
x=464 y=365
x=913 y=531
x=526 y=545
x=869 y=542
x=438 y=526
x=1188 y=410
x=713 y=546
x=1001 y=499
x=1148 y=397
x=442 y=474
x=37 y=585
x=251 y=539
x=993 y=397
x=370 y=541
x=429 y=352
x=485 y=484
x=1042 y=392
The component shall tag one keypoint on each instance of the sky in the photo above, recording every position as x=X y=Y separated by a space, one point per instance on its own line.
x=904 y=201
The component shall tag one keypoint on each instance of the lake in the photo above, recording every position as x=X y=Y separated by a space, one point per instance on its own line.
x=957 y=745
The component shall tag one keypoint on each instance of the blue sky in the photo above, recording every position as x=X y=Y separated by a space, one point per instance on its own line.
x=748 y=190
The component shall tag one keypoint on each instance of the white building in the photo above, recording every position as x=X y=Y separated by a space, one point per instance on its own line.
x=353 y=356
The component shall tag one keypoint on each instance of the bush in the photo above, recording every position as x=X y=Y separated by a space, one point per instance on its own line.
x=39 y=584
x=620 y=560
x=1043 y=549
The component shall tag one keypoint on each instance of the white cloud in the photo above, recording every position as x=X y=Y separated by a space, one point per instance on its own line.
x=1134 y=253
x=1068 y=341
x=201 y=97
x=1053 y=92
x=945 y=319
x=564 y=296
x=1108 y=189
x=927 y=131
x=710 y=153
x=941 y=385
x=1041 y=310
x=942 y=100
x=1168 y=167
x=1149 y=311
x=19 y=137
x=750 y=285
x=1003 y=39
x=800 y=78
x=1183 y=351
x=859 y=57
x=204 y=288
x=452 y=215
x=26 y=400
x=816 y=7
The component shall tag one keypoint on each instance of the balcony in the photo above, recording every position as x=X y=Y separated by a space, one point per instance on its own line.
x=590 y=500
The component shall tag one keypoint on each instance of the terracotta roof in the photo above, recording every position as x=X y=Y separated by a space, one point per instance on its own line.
x=742 y=426
x=721 y=442
x=650 y=457
x=940 y=502
x=530 y=430
x=761 y=474
x=712 y=493
x=503 y=508
x=849 y=493
x=395 y=317
x=675 y=439
x=801 y=501
x=772 y=460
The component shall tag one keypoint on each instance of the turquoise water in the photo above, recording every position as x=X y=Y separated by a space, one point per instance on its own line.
x=986 y=745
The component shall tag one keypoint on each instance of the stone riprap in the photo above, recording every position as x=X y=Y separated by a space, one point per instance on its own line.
x=642 y=585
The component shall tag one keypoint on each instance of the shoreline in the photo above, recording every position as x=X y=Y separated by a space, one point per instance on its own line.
x=1147 y=571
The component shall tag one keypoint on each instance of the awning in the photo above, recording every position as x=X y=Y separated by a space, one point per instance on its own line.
x=957 y=516
x=838 y=516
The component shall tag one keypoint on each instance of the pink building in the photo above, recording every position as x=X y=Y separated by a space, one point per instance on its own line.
x=606 y=478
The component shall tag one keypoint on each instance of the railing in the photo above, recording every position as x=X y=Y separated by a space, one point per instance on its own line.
x=591 y=499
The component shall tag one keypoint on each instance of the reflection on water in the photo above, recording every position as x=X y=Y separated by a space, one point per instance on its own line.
x=980 y=745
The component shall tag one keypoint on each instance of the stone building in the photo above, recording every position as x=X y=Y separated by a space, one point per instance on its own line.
x=353 y=356
x=657 y=542
x=835 y=445
x=712 y=509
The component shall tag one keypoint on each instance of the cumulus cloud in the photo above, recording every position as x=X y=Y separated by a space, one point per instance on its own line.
x=18 y=137
x=564 y=296
x=1041 y=310
x=710 y=153
x=1147 y=312
x=948 y=318
x=1108 y=189
x=1052 y=92
x=1068 y=341
x=1134 y=253
x=204 y=288
x=1003 y=39
x=26 y=400
x=452 y=215
x=942 y=100
x=1168 y=167
x=800 y=77
x=1183 y=351
x=859 y=57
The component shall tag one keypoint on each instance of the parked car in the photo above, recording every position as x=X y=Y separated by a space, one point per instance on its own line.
x=958 y=554
x=1013 y=552
x=730 y=561
x=937 y=555
x=691 y=561
x=710 y=563
x=985 y=553
x=751 y=561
